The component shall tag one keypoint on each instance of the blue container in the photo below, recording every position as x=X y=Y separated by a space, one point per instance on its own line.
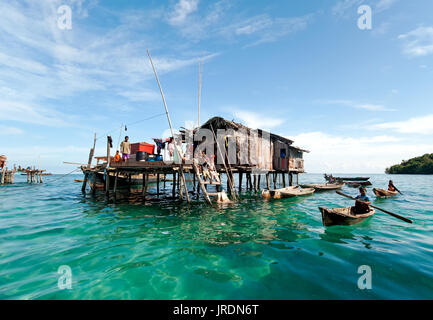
x=158 y=157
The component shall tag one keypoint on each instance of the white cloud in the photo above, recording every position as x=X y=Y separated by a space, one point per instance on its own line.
x=342 y=7
x=345 y=8
x=337 y=154
x=418 y=42
x=182 y=10
x=263 y=28
x=5 y=130
x=419 y=125
x=357 y=105
x=255 y=120
x=384 y=5
x=21 y=112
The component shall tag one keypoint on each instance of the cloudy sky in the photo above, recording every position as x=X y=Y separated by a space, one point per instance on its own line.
x=360 y=100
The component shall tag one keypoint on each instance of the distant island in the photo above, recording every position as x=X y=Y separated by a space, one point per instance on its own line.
x=418 y=165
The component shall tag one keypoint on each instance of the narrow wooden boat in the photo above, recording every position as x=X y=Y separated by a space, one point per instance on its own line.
x=384 y=193
x=357 y=179
x=353 y=179
x=324 y=186
x=288 y=192
x=358 y=184
x=343 y=216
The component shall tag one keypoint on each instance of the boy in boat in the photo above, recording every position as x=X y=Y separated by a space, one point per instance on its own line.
x=391 y=186
x=362 y=202
x=125 y=148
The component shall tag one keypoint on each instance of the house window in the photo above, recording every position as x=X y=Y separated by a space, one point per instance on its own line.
x=282 y=153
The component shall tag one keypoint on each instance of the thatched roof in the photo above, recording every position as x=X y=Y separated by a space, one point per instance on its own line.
x=221 y=123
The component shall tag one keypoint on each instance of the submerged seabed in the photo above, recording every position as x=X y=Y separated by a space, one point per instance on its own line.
x=250 y=250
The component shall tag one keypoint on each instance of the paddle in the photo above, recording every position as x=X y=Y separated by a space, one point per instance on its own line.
x=388 y=212
x=396 y=188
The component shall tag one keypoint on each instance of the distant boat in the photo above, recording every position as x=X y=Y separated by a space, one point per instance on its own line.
x=358 y=184
x=287 y=192
x=343 y=216
x=324 y=186
x=346 y=178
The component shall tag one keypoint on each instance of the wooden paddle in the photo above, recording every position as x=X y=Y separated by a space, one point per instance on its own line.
x=388 y=212
x=396 y=189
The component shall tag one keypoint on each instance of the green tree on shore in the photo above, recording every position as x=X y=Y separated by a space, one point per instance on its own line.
x=418 y=165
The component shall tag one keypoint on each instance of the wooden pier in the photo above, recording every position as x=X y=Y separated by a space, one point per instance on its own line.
x=7 y=176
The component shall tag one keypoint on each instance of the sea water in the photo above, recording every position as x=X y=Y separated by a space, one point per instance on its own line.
x=253 y=249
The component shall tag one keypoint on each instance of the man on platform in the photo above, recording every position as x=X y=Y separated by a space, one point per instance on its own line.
x=125 y=149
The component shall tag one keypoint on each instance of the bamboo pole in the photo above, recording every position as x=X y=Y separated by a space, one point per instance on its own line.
x=171 y=127
x=200 y=69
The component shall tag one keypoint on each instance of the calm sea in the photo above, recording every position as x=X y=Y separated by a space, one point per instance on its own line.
x=250 y=250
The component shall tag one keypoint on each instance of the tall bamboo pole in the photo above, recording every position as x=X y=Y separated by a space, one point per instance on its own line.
x=200 y=69
x=171 y=127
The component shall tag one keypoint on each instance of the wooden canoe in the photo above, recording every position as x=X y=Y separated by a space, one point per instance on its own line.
x=288 y=192
x=384 y=193
x=353 y=179
x=343 y=216
x=358 y=184
x=324 y=186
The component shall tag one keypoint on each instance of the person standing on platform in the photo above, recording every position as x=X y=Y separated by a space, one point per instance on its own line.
x=125 y=149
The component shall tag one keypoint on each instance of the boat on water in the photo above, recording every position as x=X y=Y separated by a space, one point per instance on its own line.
x=288 y=192
x=343 y=216
x=324 y=186
x=357 y=179
x=358 y=184
x=382 y=193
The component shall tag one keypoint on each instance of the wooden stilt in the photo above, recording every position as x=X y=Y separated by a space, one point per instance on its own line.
x=258 y=182
x=268 y=185
x=144 y=189
x=284 y=180
x=107 y=183
x=275 y=180
x=240 y=181
x=115 y=184
x=255 y=183
x=157 y=185
x=174 y=185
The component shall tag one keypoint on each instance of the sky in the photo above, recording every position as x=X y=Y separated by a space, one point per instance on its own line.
x=359 y=99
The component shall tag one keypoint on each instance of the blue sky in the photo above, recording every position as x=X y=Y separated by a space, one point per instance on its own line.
x=360 y=100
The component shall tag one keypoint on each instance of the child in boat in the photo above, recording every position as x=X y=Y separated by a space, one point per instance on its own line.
x=391 y=186
x=362 y=202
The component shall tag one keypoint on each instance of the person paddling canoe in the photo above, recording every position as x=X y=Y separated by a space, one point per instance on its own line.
x=362 y=202
x=391 y=186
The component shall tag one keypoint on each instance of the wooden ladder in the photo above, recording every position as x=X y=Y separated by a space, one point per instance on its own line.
x=201 y=182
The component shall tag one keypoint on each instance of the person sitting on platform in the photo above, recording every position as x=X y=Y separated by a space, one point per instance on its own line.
x=362 y=202
x=117 y=157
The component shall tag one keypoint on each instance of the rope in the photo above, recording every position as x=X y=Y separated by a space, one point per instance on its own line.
x=131 y=124
x=63 y=176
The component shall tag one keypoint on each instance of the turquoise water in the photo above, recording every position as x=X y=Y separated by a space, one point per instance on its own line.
x=250 y=250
